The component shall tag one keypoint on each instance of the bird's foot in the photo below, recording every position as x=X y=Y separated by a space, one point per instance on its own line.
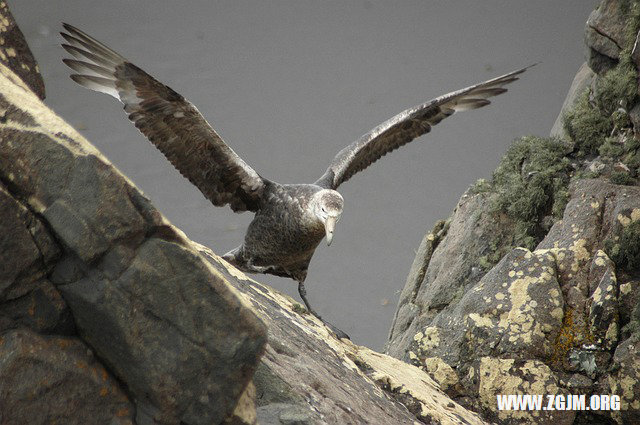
x=339 y=334
x=303 y=295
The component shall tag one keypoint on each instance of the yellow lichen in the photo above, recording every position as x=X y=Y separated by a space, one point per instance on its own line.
x=624 y=220
x=441 y=372
x=482 y=321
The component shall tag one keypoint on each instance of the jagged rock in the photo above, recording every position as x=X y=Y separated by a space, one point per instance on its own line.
x=605 y=35
x=439 y=273
x=160 y=317
x=557 y=306
x=45 y=380
x=509 y=376
x=511 y=312
x=307 y=376
x=603 y=302
x=625 y=381
x=15 y=53
x=245 y=411
x=583 y=79
x=42 y=310
x=27 y=255
x=27 y=251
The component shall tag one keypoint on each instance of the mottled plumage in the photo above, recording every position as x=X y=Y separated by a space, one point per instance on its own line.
x=290 y=220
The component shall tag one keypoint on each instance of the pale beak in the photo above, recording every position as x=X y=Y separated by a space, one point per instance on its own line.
x=329 y=225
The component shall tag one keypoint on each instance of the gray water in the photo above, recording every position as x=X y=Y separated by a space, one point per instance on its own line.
x=289 y=83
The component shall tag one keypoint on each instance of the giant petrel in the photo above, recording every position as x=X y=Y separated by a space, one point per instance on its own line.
x=290 y=219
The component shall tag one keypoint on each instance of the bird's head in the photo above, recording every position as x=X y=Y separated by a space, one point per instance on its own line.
x=327 y=207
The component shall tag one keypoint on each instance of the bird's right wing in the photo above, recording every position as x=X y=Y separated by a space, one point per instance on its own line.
x=169 y=121
x=408 y=125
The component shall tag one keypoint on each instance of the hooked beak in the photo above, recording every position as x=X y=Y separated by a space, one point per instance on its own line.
x=329 y=225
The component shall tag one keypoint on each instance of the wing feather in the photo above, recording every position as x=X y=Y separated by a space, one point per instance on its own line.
x=407 y=126
x=169 y=121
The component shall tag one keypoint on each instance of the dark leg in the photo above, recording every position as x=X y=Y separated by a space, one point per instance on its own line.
x=303 y=294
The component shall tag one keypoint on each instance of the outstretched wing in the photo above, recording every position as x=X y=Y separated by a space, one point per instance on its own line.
x=169 y=121
x=408 y=125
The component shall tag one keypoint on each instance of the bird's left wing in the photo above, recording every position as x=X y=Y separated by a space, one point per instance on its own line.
x=408 y=125
x=169 y=121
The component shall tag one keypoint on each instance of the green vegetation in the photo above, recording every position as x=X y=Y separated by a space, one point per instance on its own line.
x=624 y=250
x=622 y=178
x=531 y=182
x=299 y=308
x=586 y=126
x=529 y=189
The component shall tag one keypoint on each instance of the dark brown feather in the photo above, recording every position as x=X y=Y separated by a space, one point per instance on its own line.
x=407 y=126
x=169 y=121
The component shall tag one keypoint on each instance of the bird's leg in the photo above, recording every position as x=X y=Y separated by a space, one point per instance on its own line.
x=303 y=294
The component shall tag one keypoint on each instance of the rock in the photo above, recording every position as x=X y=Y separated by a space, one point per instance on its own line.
x=603 y=302
x=283 y=413
x=42 y=310
x=605 y=35
x=27 y=254
x=583 y=79
x=625 y=381
x=46 y=380
x=439 y=273
x=15 y=53
x=511 y=312
x=162 y=319
x=245 y=411
x=557 y=306
x=139 y=323
x=27 y=250
x=509 y=376
x=308 y=376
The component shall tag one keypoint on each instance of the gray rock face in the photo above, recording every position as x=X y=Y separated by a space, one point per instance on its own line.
x=46 y=380
x=626 y=380
x=441 y=272
x=605 y=34
x=543 y=319
x=159 y=316
x=583 y=79
x=15 y=53
x=27 y=251
x=307 y=376
x=147 y=320
x=563 y=318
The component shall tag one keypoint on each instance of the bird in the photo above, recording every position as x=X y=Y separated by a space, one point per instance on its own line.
x=290 y=220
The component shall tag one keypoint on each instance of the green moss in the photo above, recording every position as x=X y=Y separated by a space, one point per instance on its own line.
x=481 y=186
x=616 y=89
x=625 y=251
x=611 y=148
x=531 y=182
x=586 y=126
x=529 y=189
x=561 y=198
x=598 y=114
x=622 y=177
x=299 y=308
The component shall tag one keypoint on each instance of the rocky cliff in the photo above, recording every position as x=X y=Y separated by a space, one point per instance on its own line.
x=109 y=314
x=532 y=286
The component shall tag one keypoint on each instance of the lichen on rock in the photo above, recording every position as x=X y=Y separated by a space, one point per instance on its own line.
x=540 y=292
